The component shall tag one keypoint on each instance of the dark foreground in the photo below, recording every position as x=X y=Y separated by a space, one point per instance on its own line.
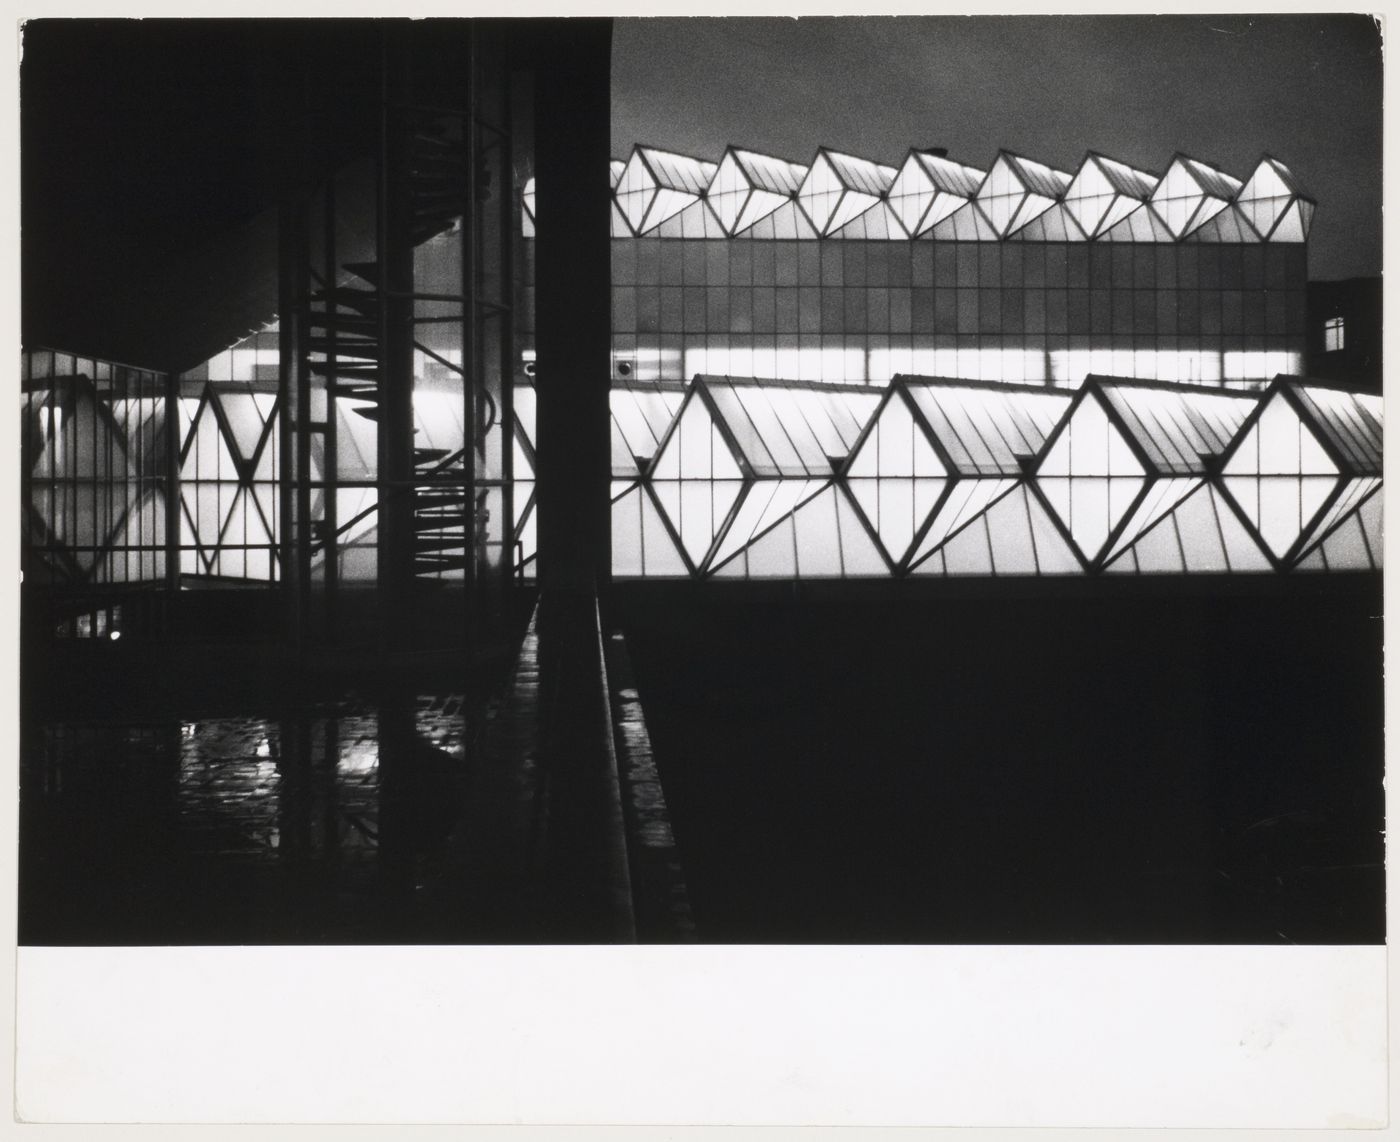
x=1161 y=766
x=1152 y=765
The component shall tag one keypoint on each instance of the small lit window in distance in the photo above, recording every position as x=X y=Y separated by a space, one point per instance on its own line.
x=1333 y=334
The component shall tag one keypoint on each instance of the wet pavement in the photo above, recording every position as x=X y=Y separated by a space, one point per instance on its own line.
x=308 y=827
x=391 y=815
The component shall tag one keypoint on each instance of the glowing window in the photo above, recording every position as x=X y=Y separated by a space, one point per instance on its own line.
x=1334 y=334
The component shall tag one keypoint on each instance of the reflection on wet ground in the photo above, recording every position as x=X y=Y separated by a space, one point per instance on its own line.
x=1138 y=769
x=332 y=824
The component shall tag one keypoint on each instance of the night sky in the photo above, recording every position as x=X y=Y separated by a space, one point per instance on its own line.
x=1225 y=89
x=140 y=138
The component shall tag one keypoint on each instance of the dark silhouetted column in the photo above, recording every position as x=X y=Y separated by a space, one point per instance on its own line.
x=572 y=225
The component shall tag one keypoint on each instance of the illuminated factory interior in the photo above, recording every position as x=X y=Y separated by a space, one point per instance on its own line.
x=478 y=533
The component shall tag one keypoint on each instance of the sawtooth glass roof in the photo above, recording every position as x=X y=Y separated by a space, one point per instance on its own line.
x=839 y=188
x=753 y=195
x=930 y=187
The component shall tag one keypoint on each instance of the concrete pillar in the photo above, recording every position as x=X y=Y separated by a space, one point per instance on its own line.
x=572 y=305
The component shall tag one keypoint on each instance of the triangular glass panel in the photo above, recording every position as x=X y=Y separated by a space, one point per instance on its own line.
x=944 y=205
x=697 y=220
x=767 y=502
x=911 y=195
x=1313 y=459
x=1290 y=226
x=860 y=558
x=1161 y=500
x=729 y=192
x=620 y=226
x=820 y=193
x=664 y=203
x=635 y=191
x=623 y=462
x=1156 y=552
x=1353 y=494
x=773 y=555
x=970 y=551
x=1262 y=213
x=786 y=222
x=1054 y=225
x=817 y=537
x=967 y=224
x=865 y=491
x=968 y=499
x=1053 y=555
x=1141 y=225
x=1000 y=209
x=852 y=205
x=759 y=205
x=1118 y=209
x=697 y=510
x=1265 y=182
x=1228 y=226
x=266 y=504
x=208 y=458
x=1178 y=198
x=659 y=554
x=245 y=422
x=901 y=506
x=1089 y=196
x=235 y=524
x=1032 y=207
x=1313 y=495
x=209 y=516
x=1209 y=208
x=189 y=406
x=1306 y=208
x=1346 y=548
x=1009 y=537
x=1241 y=550
x=1194 y=529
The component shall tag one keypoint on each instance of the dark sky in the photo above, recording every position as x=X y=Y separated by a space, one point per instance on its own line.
x=1226 y=89
x=139 y=138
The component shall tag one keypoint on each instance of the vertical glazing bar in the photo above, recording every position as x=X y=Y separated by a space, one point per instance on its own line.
x=508 y=205
x=396 y=555
x=171 y=479
x=292 y=479
x=473 y=378
x=93 y=540
x=330 y=544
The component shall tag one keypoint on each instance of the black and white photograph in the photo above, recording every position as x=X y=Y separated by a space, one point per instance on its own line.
x=867 y=482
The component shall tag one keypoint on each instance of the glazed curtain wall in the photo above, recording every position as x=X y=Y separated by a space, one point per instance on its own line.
x=859 y=312
x=754 y=479
x=229 y=463
x=845 y=270
x=93 y=470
